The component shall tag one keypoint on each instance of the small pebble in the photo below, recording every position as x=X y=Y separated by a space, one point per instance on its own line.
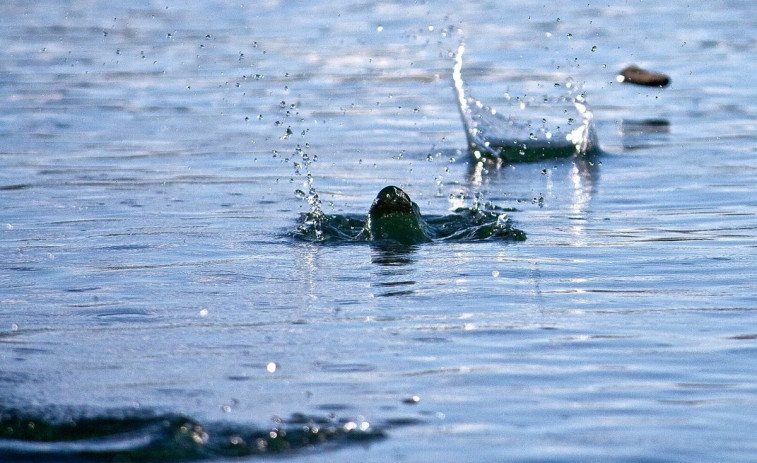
x=635 y=75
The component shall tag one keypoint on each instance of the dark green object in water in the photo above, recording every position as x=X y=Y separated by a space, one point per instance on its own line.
x=394 y=219
x=144 y=436
x=394 y=216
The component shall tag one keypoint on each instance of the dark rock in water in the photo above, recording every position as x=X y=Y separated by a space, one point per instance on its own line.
x=126 y=435
x=394 y=222
x=635 y=75
x=394 y=216
x=392 y=200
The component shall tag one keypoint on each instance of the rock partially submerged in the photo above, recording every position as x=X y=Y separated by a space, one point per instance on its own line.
x=636 y=75
x=394 y=216
x=395 y=220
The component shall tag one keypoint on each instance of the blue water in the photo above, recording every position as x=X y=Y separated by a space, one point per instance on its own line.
x=151 y=154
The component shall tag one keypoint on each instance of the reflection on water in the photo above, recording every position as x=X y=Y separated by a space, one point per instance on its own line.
x=643 y=133
x=569 y=183
x=583 y=176
x=390 y=255
x=395 y=267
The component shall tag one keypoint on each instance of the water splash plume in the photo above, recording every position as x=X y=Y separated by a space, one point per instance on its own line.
x=308 y=191
x=531 y=128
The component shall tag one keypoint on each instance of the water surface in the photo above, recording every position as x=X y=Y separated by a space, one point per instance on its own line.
x=152 y=155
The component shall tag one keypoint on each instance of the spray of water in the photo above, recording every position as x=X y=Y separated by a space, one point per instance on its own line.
x=302 y=163
x=532 y=127
x=315 y=217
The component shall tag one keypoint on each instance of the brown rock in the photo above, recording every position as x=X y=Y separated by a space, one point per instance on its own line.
x=635 y=75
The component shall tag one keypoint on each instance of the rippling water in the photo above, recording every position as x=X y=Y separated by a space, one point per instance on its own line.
x=152 y=155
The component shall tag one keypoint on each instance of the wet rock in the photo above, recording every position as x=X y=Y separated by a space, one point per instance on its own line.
x=394 y=216
x=636 y=75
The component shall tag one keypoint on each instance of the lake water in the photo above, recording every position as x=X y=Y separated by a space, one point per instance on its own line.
x=150 y=157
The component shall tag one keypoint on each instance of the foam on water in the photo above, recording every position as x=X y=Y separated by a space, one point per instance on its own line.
x=532 y=127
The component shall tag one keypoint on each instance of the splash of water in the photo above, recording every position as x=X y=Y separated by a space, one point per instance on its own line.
x=480 y=223
x=315 y=217
x=532 y=128
x=302 y=163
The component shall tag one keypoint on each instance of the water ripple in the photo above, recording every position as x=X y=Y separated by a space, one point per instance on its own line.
x=126 y=435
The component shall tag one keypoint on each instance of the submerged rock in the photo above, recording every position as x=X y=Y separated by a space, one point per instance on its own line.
x=394 y=216
x=636 y=75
